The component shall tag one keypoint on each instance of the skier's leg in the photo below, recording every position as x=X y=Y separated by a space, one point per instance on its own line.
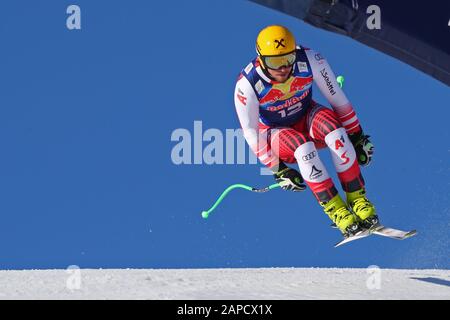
x=324 y=126
x=287 y=143
x=291 y=146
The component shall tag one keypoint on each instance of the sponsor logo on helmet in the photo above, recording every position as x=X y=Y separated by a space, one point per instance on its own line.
x=280 y=43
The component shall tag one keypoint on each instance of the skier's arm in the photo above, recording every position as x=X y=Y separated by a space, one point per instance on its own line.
x=327 y=83
x=247 y=108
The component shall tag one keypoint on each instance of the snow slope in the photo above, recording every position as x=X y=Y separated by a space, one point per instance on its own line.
x=274 y=283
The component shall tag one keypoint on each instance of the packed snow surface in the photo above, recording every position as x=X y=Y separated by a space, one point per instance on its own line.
x=264 y=283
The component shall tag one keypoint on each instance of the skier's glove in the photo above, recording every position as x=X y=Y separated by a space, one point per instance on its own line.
x=289 y=179
x=363 y=147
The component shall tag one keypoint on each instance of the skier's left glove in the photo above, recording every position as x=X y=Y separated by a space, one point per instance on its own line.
x=363 y=147
x=289 y=179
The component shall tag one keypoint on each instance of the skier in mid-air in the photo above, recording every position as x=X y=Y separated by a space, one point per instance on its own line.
x=283 y=124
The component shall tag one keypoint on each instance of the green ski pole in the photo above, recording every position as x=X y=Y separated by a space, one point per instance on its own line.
x=340 y=81
x=205 y=214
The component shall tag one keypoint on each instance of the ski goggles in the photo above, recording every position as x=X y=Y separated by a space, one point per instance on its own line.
x=276 y=62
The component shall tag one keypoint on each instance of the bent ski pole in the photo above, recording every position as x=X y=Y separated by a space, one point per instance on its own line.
x=205 y=214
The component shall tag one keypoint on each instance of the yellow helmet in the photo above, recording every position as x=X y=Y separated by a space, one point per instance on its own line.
x=274 y=41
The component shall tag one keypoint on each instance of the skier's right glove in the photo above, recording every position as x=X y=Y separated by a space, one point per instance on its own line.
x=289 y=179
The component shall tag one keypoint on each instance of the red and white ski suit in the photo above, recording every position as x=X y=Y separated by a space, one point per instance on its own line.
x=281 y=121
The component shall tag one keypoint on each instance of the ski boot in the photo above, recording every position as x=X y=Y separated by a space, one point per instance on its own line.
x=344 y=220
x=363 y=208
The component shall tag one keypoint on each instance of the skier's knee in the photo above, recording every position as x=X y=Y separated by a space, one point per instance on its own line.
x=285 y=141
x=325 y=121
x=289 y=138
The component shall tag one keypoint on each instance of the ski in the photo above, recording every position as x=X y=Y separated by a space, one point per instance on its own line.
x=359 y=235
x=379 y=230
x=394 y=233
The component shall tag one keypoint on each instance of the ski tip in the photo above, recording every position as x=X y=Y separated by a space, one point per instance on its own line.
x=340 y=243
x=411 y=233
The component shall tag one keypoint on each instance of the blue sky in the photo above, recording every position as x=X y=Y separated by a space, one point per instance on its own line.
x=86 y=116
